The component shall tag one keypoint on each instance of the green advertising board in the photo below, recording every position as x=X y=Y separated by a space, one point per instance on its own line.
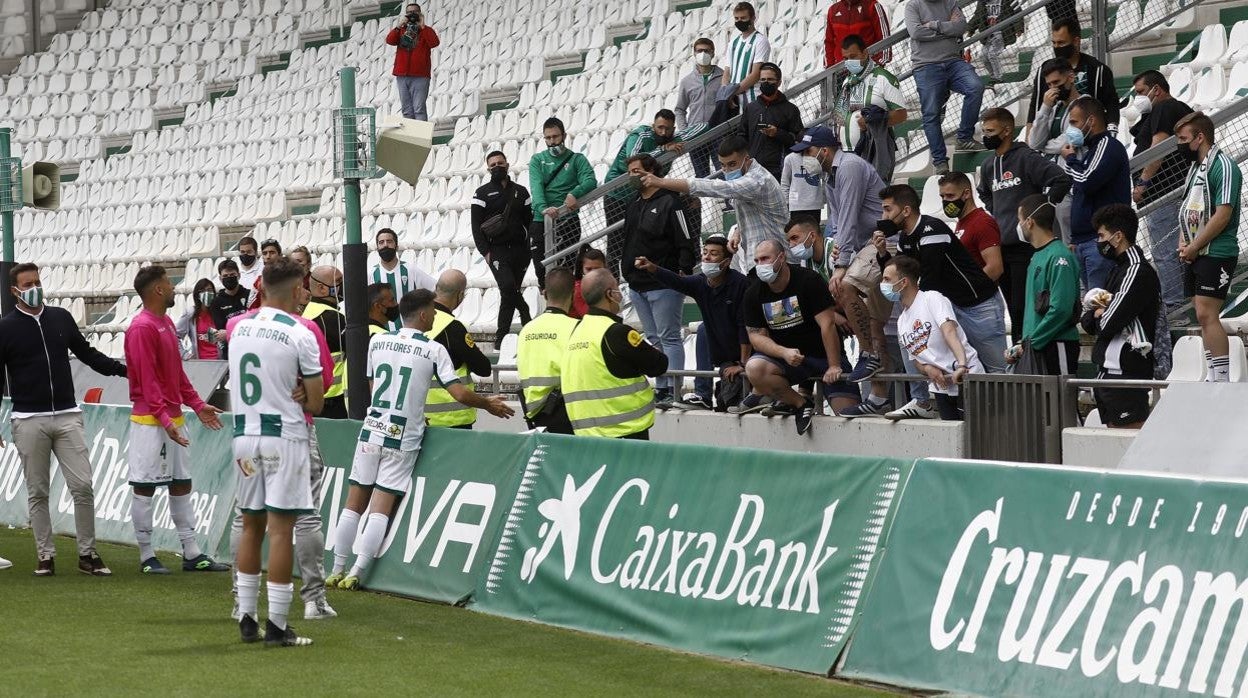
x=752 y=555
x=1046 y=581
x=107 y=430
x=444 y=531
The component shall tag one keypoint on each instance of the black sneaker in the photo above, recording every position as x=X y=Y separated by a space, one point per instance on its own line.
x=249 y=629
x=866 y=409
x=804 y=417
x=780 y=409
x=277 y=637
x=693 y=401
x=93 y=565
x=203 y=563
x=663 y=401
x=868 y=365
x=152 y=566
x=46 y=568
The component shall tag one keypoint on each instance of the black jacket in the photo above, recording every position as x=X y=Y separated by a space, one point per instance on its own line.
x=35 y=356
x=1131 y=314
x=459 y=344
x=945 y=264
x=656 y=229
x=491 y=200
x=785 y=116
x=626 y=354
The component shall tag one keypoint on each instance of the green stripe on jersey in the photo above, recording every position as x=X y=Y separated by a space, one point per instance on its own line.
x=240 y=425
x=270 y=425
x=284 y=319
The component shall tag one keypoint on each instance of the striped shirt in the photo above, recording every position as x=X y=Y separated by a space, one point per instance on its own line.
x=761 y=207
x=403 y=279
x=1215 y=182
x=743 y=53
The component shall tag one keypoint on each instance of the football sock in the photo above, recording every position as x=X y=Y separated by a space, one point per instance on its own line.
x=369 y=544
x=279 y=602
x=248 y=592
x=1208 y=366
x=1221 y=369
x=184 y=518
x=344 y=538
x=141 y=516
x=876 y=400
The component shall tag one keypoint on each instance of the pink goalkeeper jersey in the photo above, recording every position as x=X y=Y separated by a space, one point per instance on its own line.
x=158 y=385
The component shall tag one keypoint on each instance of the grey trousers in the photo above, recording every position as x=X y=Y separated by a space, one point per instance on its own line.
x=413 y=96
x=309 y=538
x=37 y=438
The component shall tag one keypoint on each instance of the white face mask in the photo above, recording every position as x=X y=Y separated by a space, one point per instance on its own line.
x=1022 y=233
x=811 y=165
x=766 y=272
x=711 y=269
x=1142 y=104
x=703 y=57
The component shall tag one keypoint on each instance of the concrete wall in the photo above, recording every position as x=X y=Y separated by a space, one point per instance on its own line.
x=872 y=436
x=1097 y=447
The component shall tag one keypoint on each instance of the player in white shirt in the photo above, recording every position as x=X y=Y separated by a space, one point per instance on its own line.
x=275 y=375
x=402 y=277
x=402 y=366
x=928 y=331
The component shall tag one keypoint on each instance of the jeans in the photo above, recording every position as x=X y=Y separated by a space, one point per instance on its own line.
x=701 y=157
x=413 y=93
x=1163 y=233
x=659 y=312
x=704 y=387
x=984 y=325
x=1093 y=267
x=918 y=389
x=935 y=81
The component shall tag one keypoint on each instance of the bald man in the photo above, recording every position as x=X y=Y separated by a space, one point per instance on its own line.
x=441 y=408
x=604 y=369
x=325 y=309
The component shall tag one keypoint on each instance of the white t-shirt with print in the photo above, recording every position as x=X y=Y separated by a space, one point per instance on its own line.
x=919 y=333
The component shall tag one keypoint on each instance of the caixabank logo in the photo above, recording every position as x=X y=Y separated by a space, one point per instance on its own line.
x=686 y=546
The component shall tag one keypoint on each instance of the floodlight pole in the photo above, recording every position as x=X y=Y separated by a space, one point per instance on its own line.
x=8 y=260
x=354 y=261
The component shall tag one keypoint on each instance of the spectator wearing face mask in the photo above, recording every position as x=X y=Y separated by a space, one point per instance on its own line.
x=270 y=251
x=413 y=61
x=865 y=19
x=1048 y=129
x=231 y=300
x=977 y=230
x=695 y=100
x=197 y=332
x=807 y=246
x=501 y=211
x=747 y=52
x=249 y=265
x=400 y=276
x=801 y=179
x=558 y=176
x=719 y=292
x=1092 y=77
x=771 y=122
x=1101 y=173
x=1050 y=320
x=867 y=104
x=382 y=307
x=930 y=335
x=325 y=288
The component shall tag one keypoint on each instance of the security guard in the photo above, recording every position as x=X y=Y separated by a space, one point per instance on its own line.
x=605 y=367
x=325 y=285
x=540 y=353
x=441 y=409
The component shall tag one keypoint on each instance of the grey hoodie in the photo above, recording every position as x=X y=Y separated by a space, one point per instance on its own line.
x=939 y=44
x=1005 y=180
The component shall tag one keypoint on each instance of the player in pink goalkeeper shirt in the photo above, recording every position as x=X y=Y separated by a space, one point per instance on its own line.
x=158 y=445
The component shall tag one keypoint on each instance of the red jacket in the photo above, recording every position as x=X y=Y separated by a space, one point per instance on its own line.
x=866 y=18
x=415 y=62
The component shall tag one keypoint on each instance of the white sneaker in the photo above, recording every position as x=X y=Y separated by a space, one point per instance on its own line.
x=5 y=564
x=316 y=610
x=913 y=410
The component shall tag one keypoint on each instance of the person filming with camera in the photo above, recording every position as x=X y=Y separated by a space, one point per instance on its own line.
x=413 y=61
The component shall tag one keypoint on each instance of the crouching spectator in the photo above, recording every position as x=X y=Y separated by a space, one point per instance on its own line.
x=1123 y=316
x=792 y=326
x=930 y=335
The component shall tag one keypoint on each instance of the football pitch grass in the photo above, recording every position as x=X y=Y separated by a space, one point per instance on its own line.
x=135 y=635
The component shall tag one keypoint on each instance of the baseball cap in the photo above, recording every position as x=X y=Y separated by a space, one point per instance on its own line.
x=816 y=137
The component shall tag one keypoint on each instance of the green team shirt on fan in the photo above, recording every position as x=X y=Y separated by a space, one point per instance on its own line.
x=877 y=87
x=1215 y=182
x=269 y=352
x=402 y=366
x=404 y=279
x=743 y=53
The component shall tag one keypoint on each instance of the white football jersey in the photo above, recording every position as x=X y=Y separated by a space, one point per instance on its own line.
x=402 y=366
x=268 y=353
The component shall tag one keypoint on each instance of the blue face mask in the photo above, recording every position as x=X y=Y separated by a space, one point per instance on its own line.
x=802 y=253
x=854 y=66
x=730 y=175
x=1074 y=136
x=891 y=294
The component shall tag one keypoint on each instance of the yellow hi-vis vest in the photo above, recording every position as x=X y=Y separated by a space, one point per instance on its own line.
x=600 y=404
x=538 y=356
x=441 y=409
x=339 y=384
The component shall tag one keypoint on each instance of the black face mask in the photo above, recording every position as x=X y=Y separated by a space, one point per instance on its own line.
x=413 y=16
x=662 y=140
x=1063 y=94
x=768 y=89
x=1066 y=52
x=993 y=142
x=954 y=209
x=498 y=174
x=887 y=227
x=1187 y=153
x=743 y=26
x=387 y=254
x=1107 y=250
x=392 y=313
x=229 y=282
x=247 y=259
